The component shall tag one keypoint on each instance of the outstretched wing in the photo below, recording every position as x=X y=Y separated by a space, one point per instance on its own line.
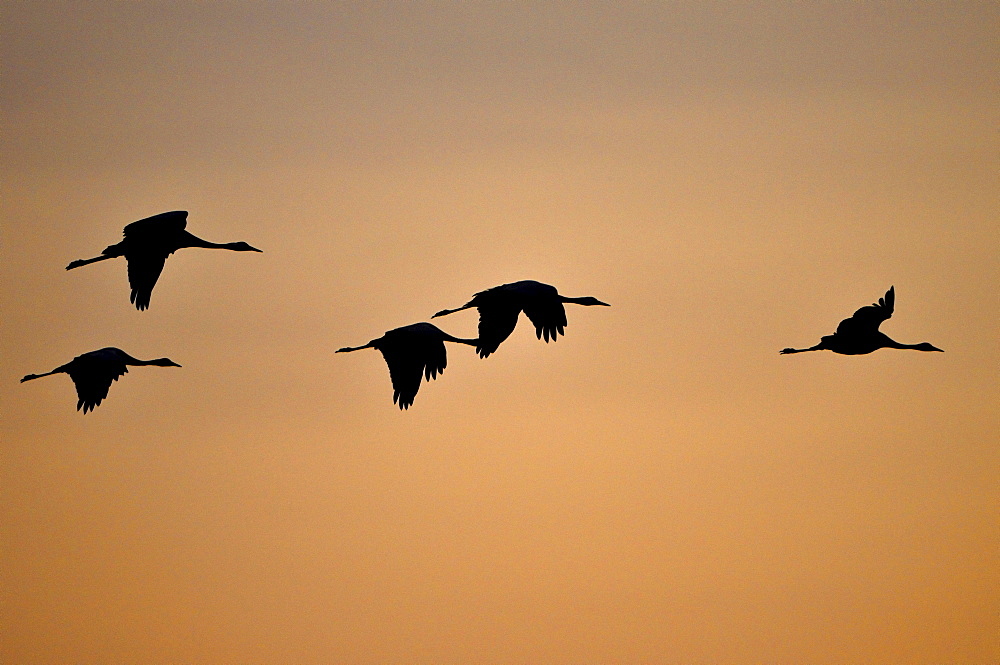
x=406 y=371
x=169 y=222
x=496 y=323
x=435 y=358
x=412 y=353
x=549 y=317
x=143 y=271
x=92 y=384
x=867 y=319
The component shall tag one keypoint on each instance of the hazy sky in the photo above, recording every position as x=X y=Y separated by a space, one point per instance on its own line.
x=660 y=486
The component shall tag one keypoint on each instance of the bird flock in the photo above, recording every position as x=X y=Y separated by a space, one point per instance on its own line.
x=417 y=350
x=414 y=353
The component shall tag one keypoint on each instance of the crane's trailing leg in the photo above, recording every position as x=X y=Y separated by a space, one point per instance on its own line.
x=445 y=312
x=818 y=347
x=57 y=370
x=83 y=262
x=347 y=349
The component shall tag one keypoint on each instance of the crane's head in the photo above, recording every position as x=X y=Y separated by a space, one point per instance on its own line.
x=590 y=301
x=927 y=346
x=242 y=247
x=163 y=362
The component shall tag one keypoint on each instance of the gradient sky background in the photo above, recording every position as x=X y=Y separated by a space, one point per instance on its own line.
x=660 y=486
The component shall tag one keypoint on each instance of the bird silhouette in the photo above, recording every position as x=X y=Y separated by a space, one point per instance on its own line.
x=93 y=372
x=412 y=352
x=500 y=306
x=860 y=334
x=146 y=246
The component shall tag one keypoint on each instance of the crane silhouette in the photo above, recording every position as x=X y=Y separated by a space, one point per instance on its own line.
x=860 y=334
x=146 y=246
x=500 y=306
x=412 y=352
x=93 y=372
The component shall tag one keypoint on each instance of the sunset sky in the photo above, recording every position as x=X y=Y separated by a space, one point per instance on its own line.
x=658 y=486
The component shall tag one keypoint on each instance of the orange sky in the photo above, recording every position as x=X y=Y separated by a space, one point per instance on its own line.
x=660 y=486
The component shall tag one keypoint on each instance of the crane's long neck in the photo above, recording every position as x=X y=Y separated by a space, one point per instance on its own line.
x=922 y=346
x=160 y=362
x=190 y=240
x=461 y=340
x=585 y=300
x=195 y=241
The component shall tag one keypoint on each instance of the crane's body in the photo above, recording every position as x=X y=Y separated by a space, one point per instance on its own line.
x=146 y=245
x=500 y=306
x=93 y=373
x=860 y=335
x=413 y=353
